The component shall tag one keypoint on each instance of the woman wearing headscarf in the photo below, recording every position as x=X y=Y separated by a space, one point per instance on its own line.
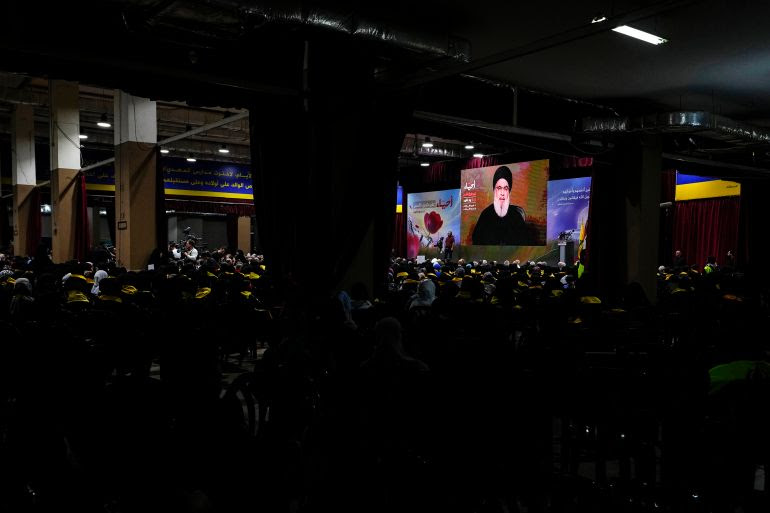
x=22 y=303
x=426 y=294
x=98 y=276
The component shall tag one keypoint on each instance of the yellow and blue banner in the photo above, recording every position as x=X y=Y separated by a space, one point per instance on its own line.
x=690 y=187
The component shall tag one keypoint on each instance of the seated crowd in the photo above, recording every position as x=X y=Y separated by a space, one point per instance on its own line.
x=460 y=386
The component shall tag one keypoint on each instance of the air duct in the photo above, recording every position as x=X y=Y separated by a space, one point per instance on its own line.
x=705 y=124
x=229 y=19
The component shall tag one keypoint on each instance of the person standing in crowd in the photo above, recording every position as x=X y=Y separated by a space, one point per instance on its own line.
x=679 y=259
x=730 y=260
x=190 y=253
x=449 y=244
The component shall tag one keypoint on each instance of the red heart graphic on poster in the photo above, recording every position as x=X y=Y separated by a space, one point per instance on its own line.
x=433 y=221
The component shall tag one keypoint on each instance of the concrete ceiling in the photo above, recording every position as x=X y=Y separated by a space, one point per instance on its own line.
x=717 y=57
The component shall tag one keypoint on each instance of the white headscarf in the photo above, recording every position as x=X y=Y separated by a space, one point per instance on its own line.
x=426 y=294
x=98 y=276
x=22 y=283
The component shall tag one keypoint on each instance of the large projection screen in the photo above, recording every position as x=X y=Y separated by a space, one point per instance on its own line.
x=568 y=202
x=430 y=218
x=504 y=211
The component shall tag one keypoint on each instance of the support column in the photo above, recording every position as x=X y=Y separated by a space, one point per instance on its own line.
x=136 y=132
x=23 y=177
x=93 y=224
x=244 y=233
x=642 y=208
x=65 y=165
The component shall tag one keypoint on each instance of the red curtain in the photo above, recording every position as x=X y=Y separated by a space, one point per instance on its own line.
x=399 y=235
x=82 y=230
x=34 y=224
x=707 y=227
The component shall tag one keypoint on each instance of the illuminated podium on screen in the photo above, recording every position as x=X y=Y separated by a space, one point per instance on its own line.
x=567 y=251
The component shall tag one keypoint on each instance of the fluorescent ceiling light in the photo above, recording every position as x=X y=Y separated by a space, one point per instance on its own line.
x=599 y=19
x=83 y=136
x=191 y=159
x=424 y=164
x=223 y=149
x=478 y=155
x=103 y=121
x=469 y=146
x=640 y=34
x=427 y=143
x=163 y=150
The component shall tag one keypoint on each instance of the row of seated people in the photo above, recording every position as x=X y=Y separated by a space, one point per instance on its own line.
x=85 y=420
x=370 y=408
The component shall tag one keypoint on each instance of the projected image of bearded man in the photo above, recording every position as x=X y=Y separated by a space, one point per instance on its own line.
x=502 y=223
x=502 y=197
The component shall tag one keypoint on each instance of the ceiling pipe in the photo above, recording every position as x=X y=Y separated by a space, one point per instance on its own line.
x=706 y=124
x=475 y=123
x=514 y=87
x=752 y=170
x=231 y=19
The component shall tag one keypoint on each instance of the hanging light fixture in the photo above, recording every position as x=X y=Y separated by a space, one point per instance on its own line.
x=469 y=146
x=478 y=155
x=427 y=143
x=425 y=164
x=163 y=150
x=103 y=122
x=191 y=159
x=640 y=35
x=223 y=149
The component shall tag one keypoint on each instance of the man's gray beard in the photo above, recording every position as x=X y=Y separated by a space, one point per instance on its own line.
x=501 y=210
